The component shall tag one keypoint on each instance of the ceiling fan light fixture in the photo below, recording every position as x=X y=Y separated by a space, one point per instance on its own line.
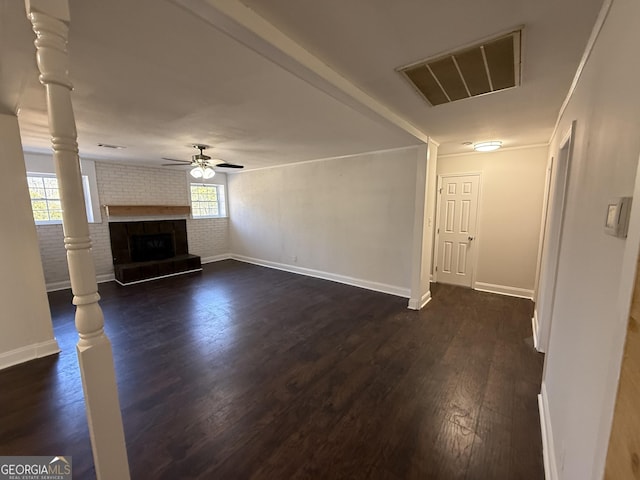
x=487 y=146
x=208 y=173
x=201 y=166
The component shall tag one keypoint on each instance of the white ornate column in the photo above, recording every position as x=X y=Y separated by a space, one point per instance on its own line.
x=50 y=20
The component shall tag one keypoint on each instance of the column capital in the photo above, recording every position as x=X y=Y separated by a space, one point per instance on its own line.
x=58 y=9
x=51 y=48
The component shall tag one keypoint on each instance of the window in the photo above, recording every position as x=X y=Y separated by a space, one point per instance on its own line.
x=207 y=200
x=45 y=198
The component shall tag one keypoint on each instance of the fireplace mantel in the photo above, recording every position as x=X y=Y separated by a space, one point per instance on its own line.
x=146 y=210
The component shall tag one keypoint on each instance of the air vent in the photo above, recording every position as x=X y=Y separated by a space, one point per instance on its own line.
x=484 y=68
x=106 y=145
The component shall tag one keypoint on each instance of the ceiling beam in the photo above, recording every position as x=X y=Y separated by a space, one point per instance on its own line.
x=247 y=27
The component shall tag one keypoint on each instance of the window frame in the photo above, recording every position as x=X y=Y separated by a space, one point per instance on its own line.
x=221 y=200
x=87 y=198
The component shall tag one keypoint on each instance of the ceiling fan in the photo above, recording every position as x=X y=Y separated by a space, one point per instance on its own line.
x=202 y=167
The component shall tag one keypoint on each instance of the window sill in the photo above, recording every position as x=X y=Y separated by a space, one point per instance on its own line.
x=44 y=224
x=209 y=217
x=59 y=222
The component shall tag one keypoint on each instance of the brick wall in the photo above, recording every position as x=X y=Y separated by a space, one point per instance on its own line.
x=208 y=237
x=130 y=185
x=133 y=185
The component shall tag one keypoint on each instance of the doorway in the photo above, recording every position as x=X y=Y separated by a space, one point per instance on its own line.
x=456 y=232
x=546 y=290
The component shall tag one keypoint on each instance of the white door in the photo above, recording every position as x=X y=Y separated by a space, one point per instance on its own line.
x=457 y=229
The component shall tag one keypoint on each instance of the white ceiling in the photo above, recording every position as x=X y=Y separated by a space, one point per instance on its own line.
x=157 y=76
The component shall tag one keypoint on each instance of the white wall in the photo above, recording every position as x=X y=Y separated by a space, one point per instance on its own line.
x=25 y=320
x=508 y=229
x=588 y=325
x=349 y=219
x=130 y=185
x=423 y=226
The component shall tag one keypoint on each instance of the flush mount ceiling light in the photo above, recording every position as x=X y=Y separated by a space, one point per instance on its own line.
x=487 y=146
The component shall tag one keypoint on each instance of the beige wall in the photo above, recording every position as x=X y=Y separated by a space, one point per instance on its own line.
x=509 y=214
x=590 y=313
x=25 y=321
x=347 y=219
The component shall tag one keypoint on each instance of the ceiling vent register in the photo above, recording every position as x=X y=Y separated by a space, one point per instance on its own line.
x=484 y=68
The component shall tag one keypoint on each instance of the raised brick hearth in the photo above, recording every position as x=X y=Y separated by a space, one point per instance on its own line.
x=150 y=249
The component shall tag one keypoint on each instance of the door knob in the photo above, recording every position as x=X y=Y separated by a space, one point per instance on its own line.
x=471 y=238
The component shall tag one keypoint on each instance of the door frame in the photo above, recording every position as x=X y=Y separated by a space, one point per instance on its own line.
x=550 y=170
x=547 y=274
x=436 y=235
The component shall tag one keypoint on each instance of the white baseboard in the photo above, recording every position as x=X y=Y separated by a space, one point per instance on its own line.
x=55 y=286
x=504 y=290
x=356 y=282
x=105 y=277
x=535 y=329
x=215 y=258
x=418 y=304
x=548 y=451
x=66 y=284
x=158 y=277
x=29 y=352
x=109 y=277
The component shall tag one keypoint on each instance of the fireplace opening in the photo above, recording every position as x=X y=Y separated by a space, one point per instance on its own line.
x=157 y=246
x=150 y=249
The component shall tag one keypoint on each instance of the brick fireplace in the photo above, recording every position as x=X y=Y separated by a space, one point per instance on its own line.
x=146 y=250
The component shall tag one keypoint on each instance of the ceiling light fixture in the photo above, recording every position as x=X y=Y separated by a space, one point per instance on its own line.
x=487 y=146
x=208 y=173
x=203 y=172
x=201 y=168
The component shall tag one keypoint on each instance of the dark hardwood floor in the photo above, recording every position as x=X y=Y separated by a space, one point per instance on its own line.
x=247 y=372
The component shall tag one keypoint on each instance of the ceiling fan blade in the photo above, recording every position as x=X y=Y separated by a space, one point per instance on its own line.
x=176 y=160
x=229 y=165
